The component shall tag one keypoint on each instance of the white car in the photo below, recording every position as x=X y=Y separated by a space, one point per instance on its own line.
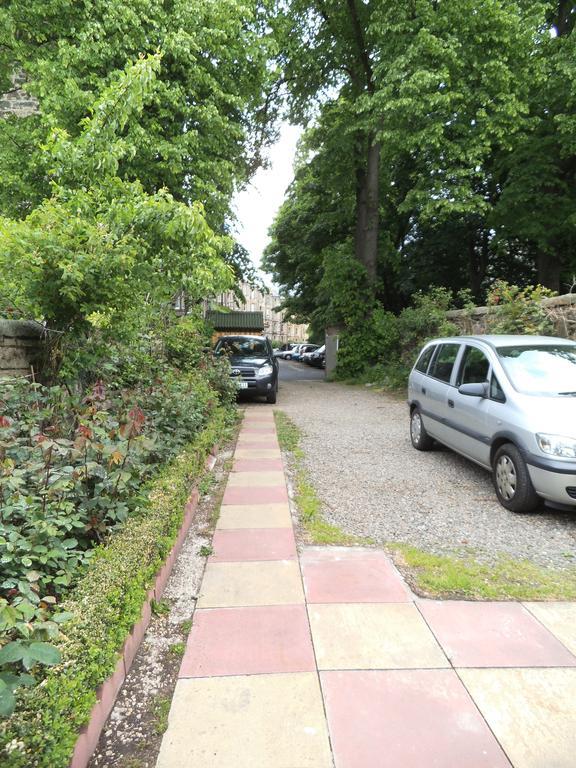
x=507 y=403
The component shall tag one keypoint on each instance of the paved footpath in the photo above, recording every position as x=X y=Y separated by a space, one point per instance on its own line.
x=325 y=658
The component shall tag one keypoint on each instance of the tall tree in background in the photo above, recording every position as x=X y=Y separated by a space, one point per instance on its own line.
x=326 y=49
x=410 y=101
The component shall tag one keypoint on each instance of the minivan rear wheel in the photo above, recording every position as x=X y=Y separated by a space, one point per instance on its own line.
x=512 y=481
x=421 y=440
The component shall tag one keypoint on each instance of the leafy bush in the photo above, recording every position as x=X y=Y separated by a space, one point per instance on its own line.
x=519 y=310
x=384 y=346
x=104 y=606
x=72 y=471
x=376 y=341
x=424 y=320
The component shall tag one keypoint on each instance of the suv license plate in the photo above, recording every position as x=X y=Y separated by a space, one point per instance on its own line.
x=242 y=384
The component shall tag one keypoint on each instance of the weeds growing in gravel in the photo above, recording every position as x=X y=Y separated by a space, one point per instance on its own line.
x=307 y=501
x=161 y=709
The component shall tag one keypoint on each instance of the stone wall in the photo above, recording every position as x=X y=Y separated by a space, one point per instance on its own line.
x=16 y=101
x=21 y=346
x=562 y=310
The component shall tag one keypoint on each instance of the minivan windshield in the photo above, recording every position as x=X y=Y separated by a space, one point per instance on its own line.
x=542 y=369
x=241 y=347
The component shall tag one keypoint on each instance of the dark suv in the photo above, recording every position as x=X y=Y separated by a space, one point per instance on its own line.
x=253 y=365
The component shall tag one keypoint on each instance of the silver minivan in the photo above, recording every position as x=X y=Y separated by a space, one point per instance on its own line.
x=506 y=402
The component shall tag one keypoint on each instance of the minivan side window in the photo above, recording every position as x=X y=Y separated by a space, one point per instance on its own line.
x=443 y=363
x=424 y=359
x=474 y=367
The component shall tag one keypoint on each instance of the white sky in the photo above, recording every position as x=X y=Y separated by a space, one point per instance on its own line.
x=257 y=205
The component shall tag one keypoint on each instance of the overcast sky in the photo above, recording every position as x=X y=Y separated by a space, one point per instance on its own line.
x=257 y=205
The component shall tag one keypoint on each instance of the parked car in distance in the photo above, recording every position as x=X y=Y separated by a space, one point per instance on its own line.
x=507 y=403
x=253 y=367
x=288 y=354
x=303 y=350
x=318 y=357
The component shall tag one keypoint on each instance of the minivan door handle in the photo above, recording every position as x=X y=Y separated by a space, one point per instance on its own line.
x=423 y=390
x=450 y=403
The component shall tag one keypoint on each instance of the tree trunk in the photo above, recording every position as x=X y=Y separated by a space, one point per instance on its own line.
x=367 y=212
x=548 y=271
x=477 y=260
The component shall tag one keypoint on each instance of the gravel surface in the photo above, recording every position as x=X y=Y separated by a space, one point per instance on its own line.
x=373 y=483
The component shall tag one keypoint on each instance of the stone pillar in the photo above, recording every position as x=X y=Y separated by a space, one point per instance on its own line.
x=332 y=341
x=21 y=346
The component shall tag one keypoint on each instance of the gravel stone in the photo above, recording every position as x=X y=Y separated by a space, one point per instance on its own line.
x=373 y=483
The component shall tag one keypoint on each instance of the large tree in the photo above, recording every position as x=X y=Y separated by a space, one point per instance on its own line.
x=537 y=205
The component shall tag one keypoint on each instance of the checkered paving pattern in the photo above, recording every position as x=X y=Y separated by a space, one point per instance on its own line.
x=326 y=659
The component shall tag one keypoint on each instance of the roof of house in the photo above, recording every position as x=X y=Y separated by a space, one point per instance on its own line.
x=235 y=321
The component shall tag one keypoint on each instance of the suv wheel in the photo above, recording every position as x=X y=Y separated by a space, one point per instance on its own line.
x=421 y=440
x=271 y=396
x=512 y=481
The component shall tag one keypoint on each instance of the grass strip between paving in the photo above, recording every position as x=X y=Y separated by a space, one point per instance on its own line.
x=306 y=499
x=458 y=575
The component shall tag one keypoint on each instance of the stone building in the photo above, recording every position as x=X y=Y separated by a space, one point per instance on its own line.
x=276 y=327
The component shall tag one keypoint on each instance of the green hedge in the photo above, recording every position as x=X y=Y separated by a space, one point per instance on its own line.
x=106 y=603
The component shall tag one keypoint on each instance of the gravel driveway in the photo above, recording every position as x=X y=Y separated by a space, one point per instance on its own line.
x=373 y=483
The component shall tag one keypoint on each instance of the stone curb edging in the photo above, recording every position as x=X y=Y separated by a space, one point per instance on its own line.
x=108 y=691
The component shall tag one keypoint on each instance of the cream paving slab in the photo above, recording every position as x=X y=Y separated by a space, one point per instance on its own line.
x=257 y=516
x=257 y=453
x=256 y=437
x=229 y=585
x=530 y=711
x=256 y=721
x=559 y=618
x=373 y=636
x=255 y=479
x=259 y=424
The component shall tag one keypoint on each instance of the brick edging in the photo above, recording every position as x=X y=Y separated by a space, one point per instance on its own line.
x=107 y=692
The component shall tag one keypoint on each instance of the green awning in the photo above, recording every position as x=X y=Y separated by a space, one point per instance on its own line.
x=236 y=321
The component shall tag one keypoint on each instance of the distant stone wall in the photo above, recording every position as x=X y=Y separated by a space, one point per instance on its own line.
x=16 y=101
x=21 y=346
x=561 y=309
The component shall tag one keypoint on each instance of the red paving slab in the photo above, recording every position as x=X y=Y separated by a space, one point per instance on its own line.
x=244 y=641
x=351 y=576
x=248 y=429
x=263 y=495
x=493 y=635
x=258 y=465
x=235 y=545
x=406 y=719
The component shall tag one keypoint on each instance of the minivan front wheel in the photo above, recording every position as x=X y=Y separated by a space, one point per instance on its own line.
x=512 y=481
x=421 y=440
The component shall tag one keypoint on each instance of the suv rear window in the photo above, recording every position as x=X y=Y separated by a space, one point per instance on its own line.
x=443 y=362
x=424 y=359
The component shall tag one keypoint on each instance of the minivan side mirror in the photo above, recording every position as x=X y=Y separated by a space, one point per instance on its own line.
x=479 y=389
